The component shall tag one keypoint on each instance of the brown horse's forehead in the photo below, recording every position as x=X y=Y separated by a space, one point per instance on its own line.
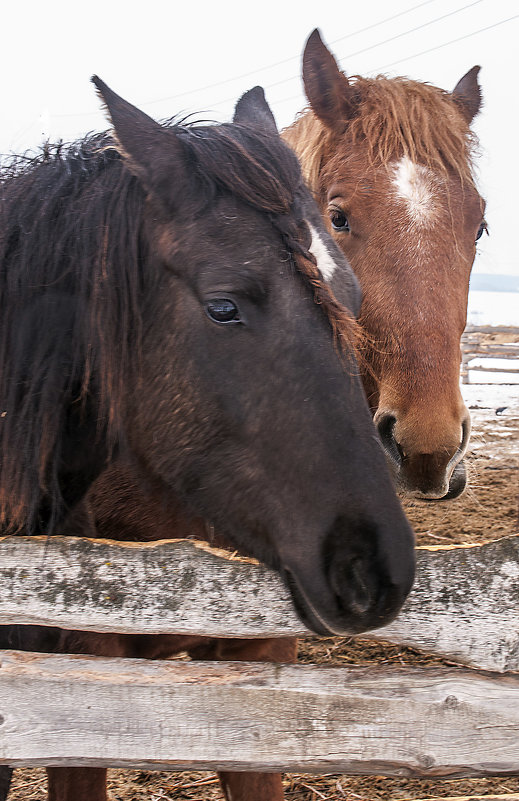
x=422 y=193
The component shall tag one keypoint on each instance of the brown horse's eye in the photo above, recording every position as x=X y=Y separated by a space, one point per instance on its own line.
x=339 y=220
x=482 y=227
x=222 y=310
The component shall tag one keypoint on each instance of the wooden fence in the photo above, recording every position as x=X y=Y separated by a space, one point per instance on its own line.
x=426 y=722
x=422 y=722
x=489 y=342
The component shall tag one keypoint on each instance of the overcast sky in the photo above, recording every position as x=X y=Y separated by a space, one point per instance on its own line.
x=177 y=57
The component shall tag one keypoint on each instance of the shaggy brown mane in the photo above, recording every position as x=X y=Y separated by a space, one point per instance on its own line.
x=395 y=117
x=347 y=332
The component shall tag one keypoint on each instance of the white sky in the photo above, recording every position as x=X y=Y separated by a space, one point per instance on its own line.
x=177 y=57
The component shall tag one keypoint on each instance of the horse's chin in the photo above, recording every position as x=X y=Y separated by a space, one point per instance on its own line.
x=304 y=610
x=347 y=626
x=457 y=484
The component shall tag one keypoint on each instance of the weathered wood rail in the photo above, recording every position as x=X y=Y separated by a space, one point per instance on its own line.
x=464 y=605
x=71 y=710
x=476 y=343
x=501 y=797
x=174 y=715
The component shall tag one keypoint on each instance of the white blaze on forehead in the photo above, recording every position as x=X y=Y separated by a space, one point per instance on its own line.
x=325 y=263
x=414 y=184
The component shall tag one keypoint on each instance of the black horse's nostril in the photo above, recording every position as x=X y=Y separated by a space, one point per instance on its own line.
x=386 y=427
x=362 y=590
x=359 y=577
x=352 y=586
x=353 y=574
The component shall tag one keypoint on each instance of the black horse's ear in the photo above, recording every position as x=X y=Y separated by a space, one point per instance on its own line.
x=253 y=109
x=153 y=152
x=467 y=94
x=329 y=93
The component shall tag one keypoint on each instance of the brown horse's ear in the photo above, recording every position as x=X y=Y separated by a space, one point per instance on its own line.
x=467 y=94
x=252 y=109
x=152 y=152
x=331 y=97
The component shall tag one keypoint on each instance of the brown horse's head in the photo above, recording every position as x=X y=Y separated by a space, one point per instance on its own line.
x=390 y=163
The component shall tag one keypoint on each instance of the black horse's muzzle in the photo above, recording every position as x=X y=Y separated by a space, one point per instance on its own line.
x=359 y=582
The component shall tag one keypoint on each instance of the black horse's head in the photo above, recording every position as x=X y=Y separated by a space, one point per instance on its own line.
x=183 y=266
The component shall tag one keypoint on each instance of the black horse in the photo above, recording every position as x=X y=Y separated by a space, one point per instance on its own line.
x=158 y=315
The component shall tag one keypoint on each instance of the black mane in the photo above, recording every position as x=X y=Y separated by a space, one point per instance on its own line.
x=72 y=288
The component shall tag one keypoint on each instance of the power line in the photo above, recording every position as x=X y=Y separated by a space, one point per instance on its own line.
x=292 y=58
x=408 y=58
x=412 y=30
x=366 y=49
x=269 y=66
x=445 y=44
x=350 y=55
x=381 y=22
x=384 y=41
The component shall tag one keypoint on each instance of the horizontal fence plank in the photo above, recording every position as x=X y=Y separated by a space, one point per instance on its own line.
x=475 y=344
x=491 y=350
x=482 y=369
x=169 y=586
x=490 y=329
x=464 y=605
x=70 y=710
x=502 y=797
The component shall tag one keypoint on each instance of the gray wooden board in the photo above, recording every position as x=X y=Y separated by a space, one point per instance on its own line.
x=169 y=586
x=501 y=797
x=490 y=329
x=464 y=606
x=71 y=710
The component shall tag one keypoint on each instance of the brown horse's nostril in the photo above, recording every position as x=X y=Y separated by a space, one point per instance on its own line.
x=386 y=427
x=466 y=428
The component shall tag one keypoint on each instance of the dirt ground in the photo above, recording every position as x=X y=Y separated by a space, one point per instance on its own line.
x=486 y=511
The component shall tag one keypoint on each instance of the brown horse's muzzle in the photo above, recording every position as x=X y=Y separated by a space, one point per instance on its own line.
x=431 y=470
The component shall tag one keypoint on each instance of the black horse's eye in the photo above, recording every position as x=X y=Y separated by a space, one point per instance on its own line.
x=482 y=227
x=339 y=220
x=222 y=310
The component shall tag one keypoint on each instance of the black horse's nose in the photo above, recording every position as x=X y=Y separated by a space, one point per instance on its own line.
x=370 y=583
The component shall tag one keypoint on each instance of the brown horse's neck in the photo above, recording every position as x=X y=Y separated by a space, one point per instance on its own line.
x=76 y=784
x=121 y=507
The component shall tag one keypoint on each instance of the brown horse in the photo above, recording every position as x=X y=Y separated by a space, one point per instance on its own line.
x=389 y=161
x=158 y=318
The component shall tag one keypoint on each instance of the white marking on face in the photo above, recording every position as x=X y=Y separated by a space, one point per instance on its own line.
x=414 y=184
x=325 y=263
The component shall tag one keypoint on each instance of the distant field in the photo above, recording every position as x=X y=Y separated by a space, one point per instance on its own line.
x=486 y=282
x=493 y=307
